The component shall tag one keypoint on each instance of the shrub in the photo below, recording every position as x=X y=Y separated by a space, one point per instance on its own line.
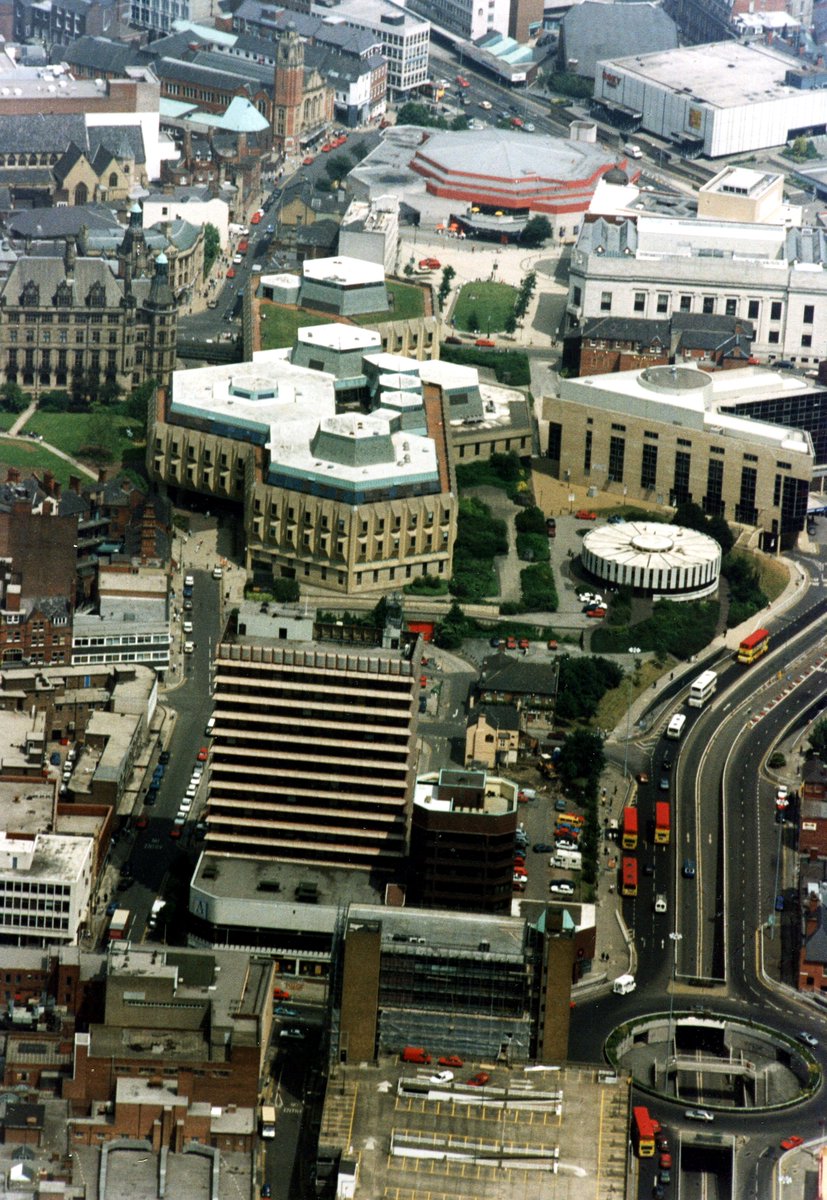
x=286 y=589
x=429 y=585
x=533 y=547
x=777 y=760
x=531 y=520
x=538 y=589
x=582 y=684
x=677 y=629
x=54 y=402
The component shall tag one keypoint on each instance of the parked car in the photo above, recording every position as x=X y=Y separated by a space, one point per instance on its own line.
x=596 y=613
x=542 y=848
x=442 y=1077
x=164 y=757
x=665 y=1158
x=292 y=1035
x=807 y=1038
x=450 y=1060
x=203 y=754
x=792 y=1141
x=698 y=1114
x=433 y=264
x=486 y=343
x=280 y=994
x=585 y=514
x=284 y=1010
x=479 y=1080
x=561 y=888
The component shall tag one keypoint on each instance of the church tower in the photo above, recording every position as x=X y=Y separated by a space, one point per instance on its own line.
x=288 y=91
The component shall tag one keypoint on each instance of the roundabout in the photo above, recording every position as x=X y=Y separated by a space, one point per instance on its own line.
x=714 y=1061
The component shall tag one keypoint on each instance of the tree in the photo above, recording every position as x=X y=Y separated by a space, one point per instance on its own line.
x=818 y=738
x=336 y=168
x=12 y=397
x=286 y=590
x=448 y=274
x=139 y=398
x=581 y=758
x=212 y=245
x=101 y=438
x=412 y=113
x=459 y=123
x=536 y=231
x=510 y=324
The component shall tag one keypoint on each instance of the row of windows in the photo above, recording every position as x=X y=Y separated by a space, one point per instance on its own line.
x=141 y=639
x=63 y=318
x=708 y=306
x=17 y=921
x=34 y=889
x=25 y=904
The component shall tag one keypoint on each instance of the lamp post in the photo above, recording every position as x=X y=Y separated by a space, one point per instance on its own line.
x=633 y=650
x=674 y=938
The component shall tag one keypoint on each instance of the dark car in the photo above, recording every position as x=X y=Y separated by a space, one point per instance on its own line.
x=663 y=783
x=542 y=848
x=164 y=757
x=666 y=763
x=648 y=868
x=688 y=869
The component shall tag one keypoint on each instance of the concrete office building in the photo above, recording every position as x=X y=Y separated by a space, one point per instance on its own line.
x=721 y=98
x=313 y=753
x=673 y=435
x=45 y=884
x=370 y=231
x=654 y=266
x=462 y=841
x=405 y=38
x=349 y=287
x=347 y=502
x=466 y=18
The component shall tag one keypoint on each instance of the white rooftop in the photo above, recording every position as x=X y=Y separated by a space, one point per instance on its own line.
x=49 y=856
x=255 y=396
x=343 y=270
x=720 y=74
x=651 y=545
x=339 y=337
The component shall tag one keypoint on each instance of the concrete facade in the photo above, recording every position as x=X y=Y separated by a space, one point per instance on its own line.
x=668 y=434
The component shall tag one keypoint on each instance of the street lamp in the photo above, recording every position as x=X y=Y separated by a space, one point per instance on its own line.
x=674 y=938
x=633 y=650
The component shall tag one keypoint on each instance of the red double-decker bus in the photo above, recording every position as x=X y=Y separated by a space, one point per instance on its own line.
x=662 y=822
x=628 y=876
x=754 y=646
x=643 y=1133
x=630 y=828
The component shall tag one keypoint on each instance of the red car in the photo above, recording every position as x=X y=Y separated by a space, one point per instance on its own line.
x=462 y=81
x=203 y=754
x=597 y=613
x=281 y=994
x=517 y=122
x=484 y=342
x=142 y=822
x=511 y=643
x=175 y=832
x=255 y=218
x=327 y=148
x=521 y=871
x=231 y=272
x=791 y=1142
x=666 y=1161
x=585 y=514
x=552 y=644
x=433 y=264
x=451 y=1060
x=479 y=1080
x=307 y=160
x=524 y=643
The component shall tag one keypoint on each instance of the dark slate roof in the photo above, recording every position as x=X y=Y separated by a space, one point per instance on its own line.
x=124 y=142
x=53 y=608
x=61 y=222
x=608 y=238
x=258 y=74
x=501 y=716
x=815 y=946
x=187 y=72
x=591 y=31
x=626 y=329
x=504 y=672
x=346 y=39
x=27 y=489
x=713 y=324
x=319 y=233
x=104 y=55
x=251 y=43
x=72 y=156
x=49 y=272
x=41 y=133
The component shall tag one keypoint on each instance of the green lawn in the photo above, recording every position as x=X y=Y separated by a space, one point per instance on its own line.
x=484 y=306
x=32 y=456
x=406 y=301
x=278 y=325
x=7 y=419
x=69 y=431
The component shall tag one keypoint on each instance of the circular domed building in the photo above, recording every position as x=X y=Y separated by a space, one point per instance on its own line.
x=668 y=562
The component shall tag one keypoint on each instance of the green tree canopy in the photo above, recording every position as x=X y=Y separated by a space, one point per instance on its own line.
x=12 y=397
x=212 y=244
x=536 y=231
x=817 y=740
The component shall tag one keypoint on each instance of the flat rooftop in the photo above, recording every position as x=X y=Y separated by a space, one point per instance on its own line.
x=543 y=1134
x=722 y=74
x=339 y=337
x=46 y=856
x=699 y=400
x=742 y=181
x=343 y=271
x=26 y=805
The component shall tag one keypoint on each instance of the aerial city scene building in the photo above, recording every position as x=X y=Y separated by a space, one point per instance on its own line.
x=413 y=456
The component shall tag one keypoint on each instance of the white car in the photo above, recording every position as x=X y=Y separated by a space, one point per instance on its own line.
x=187 y=627
x=189 y=647
x=698 y=1114
x=442 y=1077
x=807 y=1039
x=217 y=573
x=486 y=104
x=590 y=598
x=189 y=581
x=257 y=268
x=528 y=127
x=561 y=888
x=238 y=258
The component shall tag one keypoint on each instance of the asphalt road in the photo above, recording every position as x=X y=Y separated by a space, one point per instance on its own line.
x=152 y=853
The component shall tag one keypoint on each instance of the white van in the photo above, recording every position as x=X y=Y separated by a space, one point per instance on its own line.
x=632 y=150
x=660 y=903
x=675 y=727
x=569 y=860
x=624 y=984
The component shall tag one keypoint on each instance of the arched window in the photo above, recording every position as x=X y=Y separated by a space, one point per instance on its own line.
x=81 y=194
x=97 y=296
x=30 y=295
x=113 y=179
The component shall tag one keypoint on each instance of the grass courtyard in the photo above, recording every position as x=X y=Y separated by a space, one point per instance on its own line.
x=70 y=431
x=278 y=324
x=32 y=456
x=484 y=306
